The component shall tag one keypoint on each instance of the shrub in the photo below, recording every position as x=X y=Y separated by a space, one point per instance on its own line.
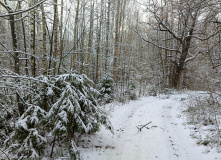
x=131 y=91
x=106 y=89
x=152 y=91
x=205 y=110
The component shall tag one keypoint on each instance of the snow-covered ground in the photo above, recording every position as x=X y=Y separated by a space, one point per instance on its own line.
x=167 y=137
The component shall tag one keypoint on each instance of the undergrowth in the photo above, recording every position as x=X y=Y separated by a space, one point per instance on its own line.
x=204 y=113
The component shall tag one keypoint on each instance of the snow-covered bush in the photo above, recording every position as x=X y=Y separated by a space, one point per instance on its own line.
x=122 y=97
x=204 y=111
x=131 y=91
x=152 y=90
x=7 y=116
x=106 y=89
x=166 y=91
x=28 y=138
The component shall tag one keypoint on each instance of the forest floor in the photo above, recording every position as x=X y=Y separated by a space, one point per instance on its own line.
x=165 y=137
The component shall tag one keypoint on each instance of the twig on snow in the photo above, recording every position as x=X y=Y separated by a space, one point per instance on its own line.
x=140 y=128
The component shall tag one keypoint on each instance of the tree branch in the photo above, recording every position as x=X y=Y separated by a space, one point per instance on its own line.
x=4 y=153
x=19 y=12
x=6 y=49
x=156 y=45
x=170 y=31
x=192 y=57
x=143 y=126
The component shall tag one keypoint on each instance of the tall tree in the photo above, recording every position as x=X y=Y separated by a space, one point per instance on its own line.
x=44 y=38
x=99 y=42
x=61 y=48
x=55 y=34
x=90 y=39
x=33 y=39
x=107 y=35
x=116 y=39
x=76 y=34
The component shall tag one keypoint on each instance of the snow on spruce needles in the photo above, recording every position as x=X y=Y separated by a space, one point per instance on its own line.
x=55 y=109
x=167 y=137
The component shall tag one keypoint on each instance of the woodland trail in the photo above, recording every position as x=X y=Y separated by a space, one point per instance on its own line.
x=165 y=138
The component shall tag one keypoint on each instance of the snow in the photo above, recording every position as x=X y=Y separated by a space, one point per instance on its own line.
x=49 y=91
x=167 y=137
x=22 y=122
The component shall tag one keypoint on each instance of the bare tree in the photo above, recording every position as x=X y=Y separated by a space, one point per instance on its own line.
x=182 y=25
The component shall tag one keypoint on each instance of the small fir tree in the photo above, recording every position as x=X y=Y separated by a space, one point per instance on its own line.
x=131 y=91
x=106 y=89
x=75 y=109
x=61 y=106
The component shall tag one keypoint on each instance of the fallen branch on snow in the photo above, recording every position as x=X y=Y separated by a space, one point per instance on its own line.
x=142 y=126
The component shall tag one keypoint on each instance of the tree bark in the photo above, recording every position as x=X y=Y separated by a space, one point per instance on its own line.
x=32 y=41
x=90 y=41
x=61 y=37
x=98 y=43
x=107 y=36
x=83 y=33
x=75 y=35
x=185 y=50
x=116 y=41
x=55 y=30
x=44 y=37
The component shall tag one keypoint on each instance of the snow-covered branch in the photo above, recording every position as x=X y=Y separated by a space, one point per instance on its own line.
x=19 y=12
x=192 y=56
x=154 y=44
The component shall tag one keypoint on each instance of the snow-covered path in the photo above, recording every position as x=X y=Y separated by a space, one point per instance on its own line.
x=165 y=138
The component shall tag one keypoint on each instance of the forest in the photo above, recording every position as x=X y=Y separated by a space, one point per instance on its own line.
x=60 y=60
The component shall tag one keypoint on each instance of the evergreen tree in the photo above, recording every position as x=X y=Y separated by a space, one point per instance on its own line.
x=59 y=106
x=131 y=90
x=75 y=109
x=106 y=89
x=28 y=138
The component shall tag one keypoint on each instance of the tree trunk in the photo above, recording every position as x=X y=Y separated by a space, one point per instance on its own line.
x=98 y=43
x=55 y=30
x=107 y=36
x=32 y=46
x=75 y=34
x=44 y=49
x=61 y=37
x=185 y=49
x=90 y=41
x=83 y=27
x=116 y=41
